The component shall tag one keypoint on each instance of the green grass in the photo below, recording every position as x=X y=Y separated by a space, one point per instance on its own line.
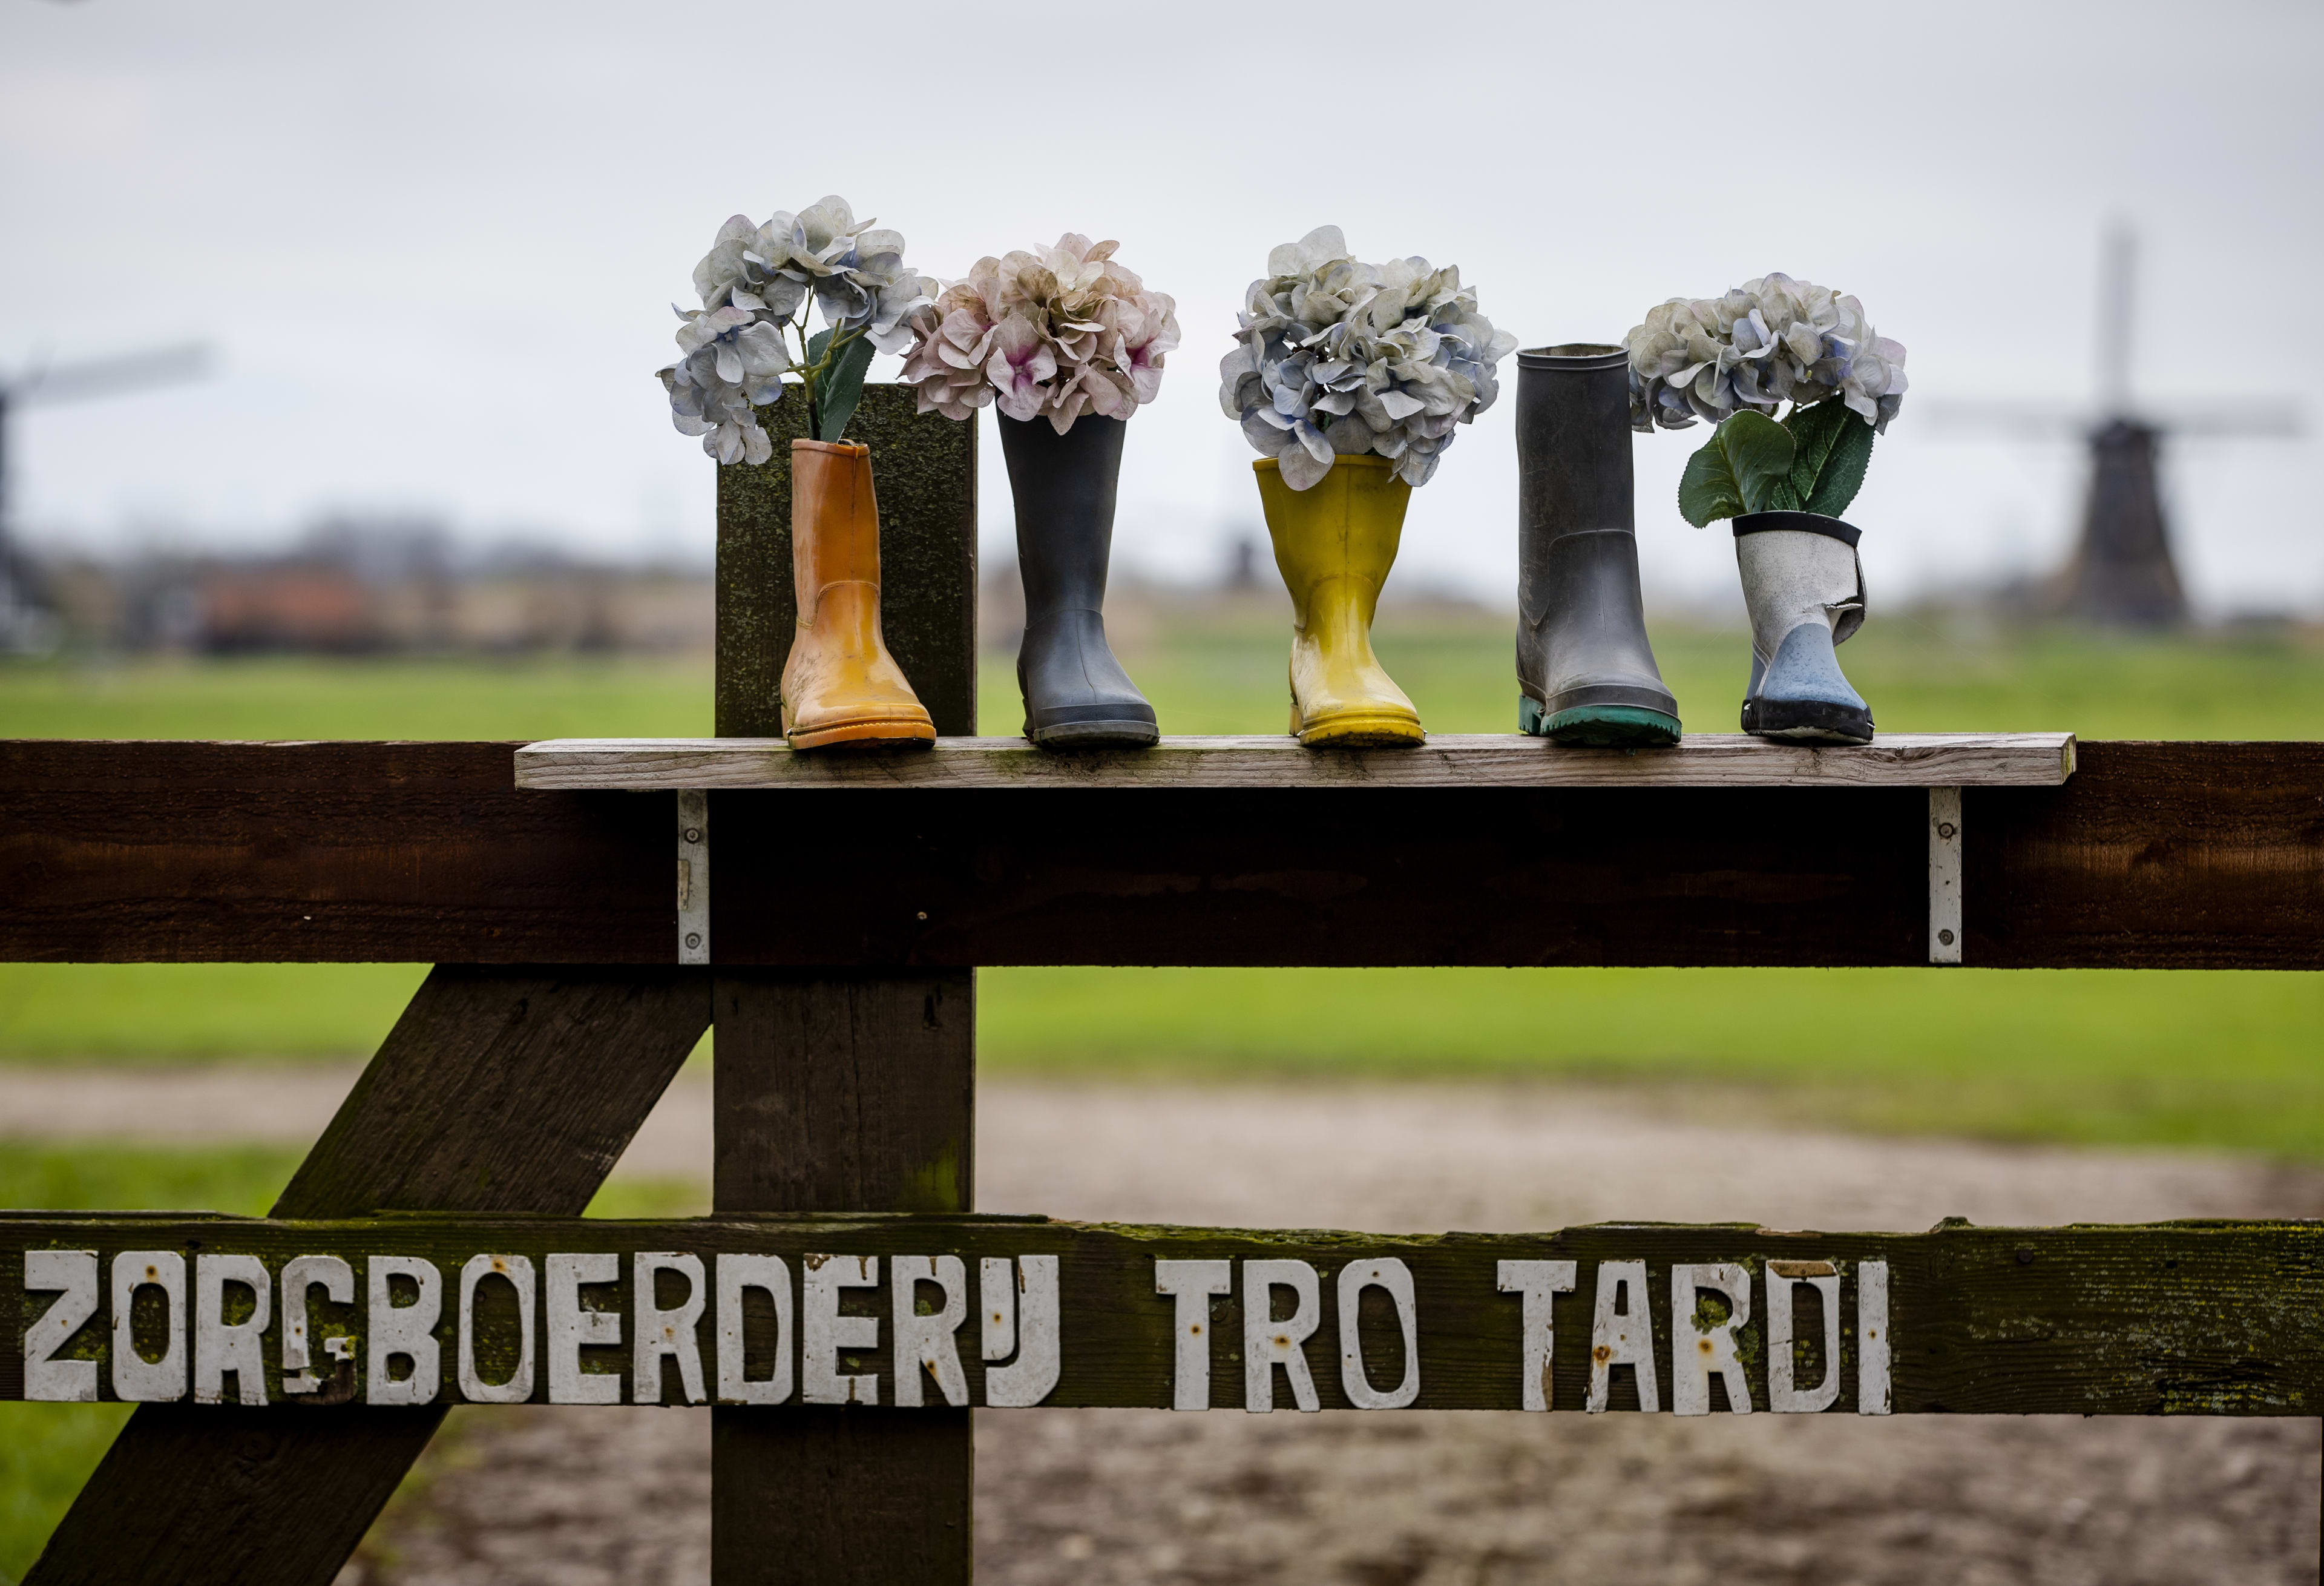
x=195 y=1012
x=2193 y=1058
x=318 y=697
x=2223 y=1060
x=1920 y=676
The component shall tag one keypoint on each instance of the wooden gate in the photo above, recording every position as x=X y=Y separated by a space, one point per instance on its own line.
x=593 y=906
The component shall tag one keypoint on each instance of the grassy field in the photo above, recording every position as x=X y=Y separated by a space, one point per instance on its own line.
x=2204 y=1059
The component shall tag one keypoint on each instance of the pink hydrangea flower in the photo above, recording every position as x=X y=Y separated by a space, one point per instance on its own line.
x=1052 y=334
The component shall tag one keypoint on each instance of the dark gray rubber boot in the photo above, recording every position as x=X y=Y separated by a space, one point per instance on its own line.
x=1075 y=693
x=1586 y=673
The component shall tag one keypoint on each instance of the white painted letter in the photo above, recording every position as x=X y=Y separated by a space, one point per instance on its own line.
x=135 y=1377
x=1696 y=1350
x=1040 y=1355
x=1394 y=1275
x=408 y=1331
x=1783 y=1279
x=1268 y=1344
x=996 y=1290
x=823 y=1331
x=300 y=1274
x=1193 y=1284
x=1872 y=1338
x=927 y=1343
x=770 y=1275
x=1541 y=1282
x=518 y=1270
x=71 y=1382
x=570 y=1326
x=219 y=1349
x=1622 y=1333
x=660 y=1335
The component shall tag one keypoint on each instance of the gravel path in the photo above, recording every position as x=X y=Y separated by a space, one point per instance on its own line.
x=1093 y=1496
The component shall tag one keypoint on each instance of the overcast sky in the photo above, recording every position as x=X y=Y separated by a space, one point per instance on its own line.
x=434 y=244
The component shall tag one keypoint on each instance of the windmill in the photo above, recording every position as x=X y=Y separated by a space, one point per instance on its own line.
x=20 y=621
x=2122 y=573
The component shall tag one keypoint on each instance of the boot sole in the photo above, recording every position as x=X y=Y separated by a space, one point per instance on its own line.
x=1602 y=727
x=1806 y=720
x=1363 y=732
x=866 y=736
x=1121 y=734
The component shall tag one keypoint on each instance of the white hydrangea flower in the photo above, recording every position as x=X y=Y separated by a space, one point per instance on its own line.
x=1768 y=342
x=732 y=363
x=754 y=283
x=1338 y=358
x=1053 y=334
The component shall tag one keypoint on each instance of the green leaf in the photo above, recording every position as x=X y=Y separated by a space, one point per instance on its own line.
x=1707 y=491
x=1843 y=470
x=843 y=388
x=1743 y=467
x=1814 y=430
x=1759 y=454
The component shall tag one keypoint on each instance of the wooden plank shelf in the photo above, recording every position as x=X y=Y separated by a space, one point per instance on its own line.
x=1702 y=760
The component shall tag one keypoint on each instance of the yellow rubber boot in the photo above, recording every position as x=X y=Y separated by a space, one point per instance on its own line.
x=840 y=684
x=1333 y=544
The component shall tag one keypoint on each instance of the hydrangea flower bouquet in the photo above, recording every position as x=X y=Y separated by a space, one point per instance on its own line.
x=1776 y=345
x=755 y=284
x=1067 y=344
x=1350 y=379
x=1051 y=333
x=1772 y=345
x=1339 y=358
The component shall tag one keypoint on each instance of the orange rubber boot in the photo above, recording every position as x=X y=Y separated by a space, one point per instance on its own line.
x=840 y=685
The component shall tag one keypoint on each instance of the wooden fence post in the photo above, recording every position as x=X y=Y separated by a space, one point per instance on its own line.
x=844 y=1092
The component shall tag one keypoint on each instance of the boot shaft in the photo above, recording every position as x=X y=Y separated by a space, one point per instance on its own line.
x=1574 y=470
x=834 y=519
x=1797 y=567
x=1064 y=487
x=1335 y=541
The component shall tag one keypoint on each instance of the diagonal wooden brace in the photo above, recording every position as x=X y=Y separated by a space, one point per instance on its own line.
x=501 y=1089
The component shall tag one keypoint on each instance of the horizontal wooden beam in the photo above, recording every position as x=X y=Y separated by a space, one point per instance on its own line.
x=2196 y=1318
x=1701 y=759
x=2153 y=856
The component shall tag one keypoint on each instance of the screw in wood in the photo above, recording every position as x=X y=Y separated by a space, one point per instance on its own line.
x=694 y=834
x=1944 y=830
x=1946 y=937
x=694 y=938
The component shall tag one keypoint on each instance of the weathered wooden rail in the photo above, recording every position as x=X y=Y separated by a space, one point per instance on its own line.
x=2151 y=856
x=842 y=951
x=2189 y=1318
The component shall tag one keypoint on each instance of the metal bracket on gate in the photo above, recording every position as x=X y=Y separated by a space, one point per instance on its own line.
x=693 y=876
x=1944 y=875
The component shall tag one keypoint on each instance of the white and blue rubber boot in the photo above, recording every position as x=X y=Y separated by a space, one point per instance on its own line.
x=1805 y=590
